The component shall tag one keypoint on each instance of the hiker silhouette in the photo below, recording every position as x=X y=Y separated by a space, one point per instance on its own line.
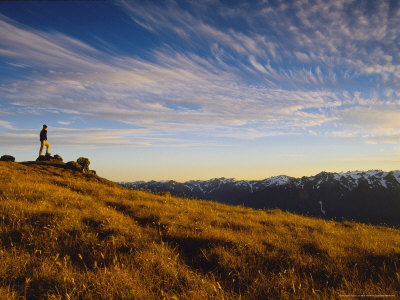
x=43 y=141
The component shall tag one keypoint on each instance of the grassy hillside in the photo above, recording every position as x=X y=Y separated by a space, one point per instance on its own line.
x=64 y=234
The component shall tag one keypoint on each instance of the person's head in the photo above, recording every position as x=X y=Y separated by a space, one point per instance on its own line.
x=45 y=127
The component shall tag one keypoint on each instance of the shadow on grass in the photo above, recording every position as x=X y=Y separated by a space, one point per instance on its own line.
x=41 y=219
x=150 y=221
x=10 y=238
x=87 y=253
x=375 y=267
x=41 y=286
x=313 y=250
x=192 y=251
x=96 y=226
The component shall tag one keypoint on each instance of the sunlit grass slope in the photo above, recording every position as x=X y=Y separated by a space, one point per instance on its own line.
x=67 y=235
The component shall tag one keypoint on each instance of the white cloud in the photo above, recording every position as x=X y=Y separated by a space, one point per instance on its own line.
x=6 y=124
x=292 y=66
x=82 y=138
x=41 y=49
x=361 y=38
x=183 y=91
x=257 y=65
x=377 y=117
x=65 y=123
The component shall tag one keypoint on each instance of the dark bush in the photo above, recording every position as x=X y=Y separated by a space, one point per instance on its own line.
x=7 y=157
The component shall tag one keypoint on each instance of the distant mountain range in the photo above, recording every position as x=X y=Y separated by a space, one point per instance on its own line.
x=372 y=196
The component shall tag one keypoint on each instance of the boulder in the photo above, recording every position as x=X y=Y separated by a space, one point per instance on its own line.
x=49 y=158
x=44 y=158
x=84 y=162
x=57 y=157
x=7 y=157
x=73 y=165
x=81 y=164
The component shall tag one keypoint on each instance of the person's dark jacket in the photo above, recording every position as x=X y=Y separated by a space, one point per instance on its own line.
x=43 y=135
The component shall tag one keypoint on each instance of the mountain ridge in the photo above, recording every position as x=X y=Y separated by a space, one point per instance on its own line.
x=279 y=179
x=326 y=194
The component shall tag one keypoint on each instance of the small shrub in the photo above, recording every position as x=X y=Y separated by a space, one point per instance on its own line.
x=84 y=162
x=7 y=157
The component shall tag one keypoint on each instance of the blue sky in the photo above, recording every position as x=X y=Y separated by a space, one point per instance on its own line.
x=200 y=89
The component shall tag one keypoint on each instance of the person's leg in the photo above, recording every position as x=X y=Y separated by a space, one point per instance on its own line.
x=46 y=143
x=41 y=148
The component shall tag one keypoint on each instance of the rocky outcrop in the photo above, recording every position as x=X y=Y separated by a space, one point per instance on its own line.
x=84 y=163
x=73 y=165
x=49 y=158
x=57 y=157
x=81 y=165
x=7 y=157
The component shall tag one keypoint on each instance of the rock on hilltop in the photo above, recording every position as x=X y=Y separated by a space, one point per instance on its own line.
x=7 y=157
x=47 y=157
x=81 y=164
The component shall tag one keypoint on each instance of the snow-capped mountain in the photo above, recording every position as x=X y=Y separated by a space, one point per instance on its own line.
x=206 y=189
x=372 y=196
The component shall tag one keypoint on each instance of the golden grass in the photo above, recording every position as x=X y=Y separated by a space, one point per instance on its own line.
x=67 y=235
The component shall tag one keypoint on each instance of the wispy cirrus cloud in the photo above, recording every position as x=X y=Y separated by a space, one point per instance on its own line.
x=27 y=47
x=6 y=124
x=288 y=69
x=327 y=34
x=82 y=138
x=174 y=91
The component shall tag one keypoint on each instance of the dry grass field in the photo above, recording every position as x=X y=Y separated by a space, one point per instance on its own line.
x=68 y=235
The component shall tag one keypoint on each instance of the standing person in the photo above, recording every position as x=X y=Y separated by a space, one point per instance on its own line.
x=43 y=141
